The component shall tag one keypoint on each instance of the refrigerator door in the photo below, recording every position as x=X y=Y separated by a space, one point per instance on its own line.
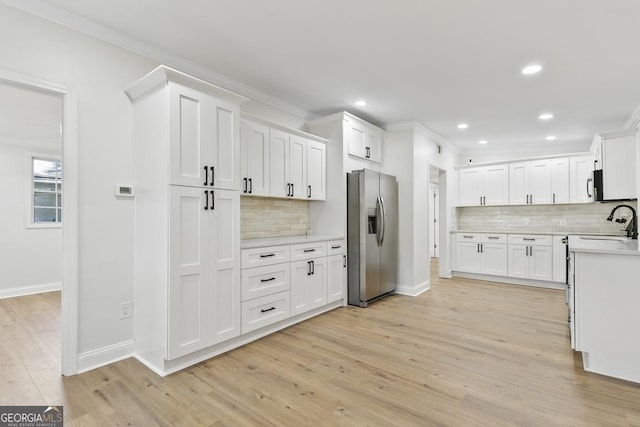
x=369 y=208
x=388 y=250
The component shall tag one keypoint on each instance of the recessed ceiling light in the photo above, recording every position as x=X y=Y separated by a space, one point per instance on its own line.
x=545 y=116
x=361 y=103
x=463 y=126
x=550 y=138
x=531 y=69
x=483 y=141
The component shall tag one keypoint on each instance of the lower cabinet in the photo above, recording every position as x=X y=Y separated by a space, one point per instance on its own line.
x=482 y=253
x=336 y=277
x=530 y=257
x=308 y=285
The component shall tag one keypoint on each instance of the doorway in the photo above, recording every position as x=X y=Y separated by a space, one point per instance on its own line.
x=38 y=123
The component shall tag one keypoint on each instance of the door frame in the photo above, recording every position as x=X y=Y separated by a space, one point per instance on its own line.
x=69 y=309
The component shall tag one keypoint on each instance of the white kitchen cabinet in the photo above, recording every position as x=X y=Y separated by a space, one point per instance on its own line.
x=580 y=179
x=530 y=182
x=204 y=135
x=255 y=155
x=481 y=253
x=187 y=221
x=530 y=257
x=484 y=185
x=560 y=180
x=336 y=270
x=364 y=140
x=308 y=284
x=316 y=171
x=619 y=165
x=204 y=265
x=287 y=165
x=559 y=262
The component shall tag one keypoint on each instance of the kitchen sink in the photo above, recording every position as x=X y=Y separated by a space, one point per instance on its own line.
x=607 y=238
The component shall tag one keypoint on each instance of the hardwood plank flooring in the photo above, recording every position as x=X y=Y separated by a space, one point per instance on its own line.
x=464 y=353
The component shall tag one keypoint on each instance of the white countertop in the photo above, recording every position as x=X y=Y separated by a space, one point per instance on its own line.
x=537 y=232
x=287 y=240
x=603 y=245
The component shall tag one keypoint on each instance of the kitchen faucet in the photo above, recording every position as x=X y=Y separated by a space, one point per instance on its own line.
x=632 y=228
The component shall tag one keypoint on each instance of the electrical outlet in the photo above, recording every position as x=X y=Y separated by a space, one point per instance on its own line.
x=125 y=310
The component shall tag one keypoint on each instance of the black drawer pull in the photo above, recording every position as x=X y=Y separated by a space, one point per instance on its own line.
x=271 y=279
x=528 y=239
x=309 y=250
x=494 y=237
x=467 y=237
x=336 y=247
x=264 y=310
x=267 y=255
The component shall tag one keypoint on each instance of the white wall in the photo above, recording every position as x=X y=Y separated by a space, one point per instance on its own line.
x=98 y=73
x=31 y=258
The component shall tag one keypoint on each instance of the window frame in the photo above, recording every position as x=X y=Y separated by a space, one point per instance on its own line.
x=31 y=223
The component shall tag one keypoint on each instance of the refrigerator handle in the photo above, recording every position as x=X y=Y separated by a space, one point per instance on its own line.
x=378 y=220
x=383 y=222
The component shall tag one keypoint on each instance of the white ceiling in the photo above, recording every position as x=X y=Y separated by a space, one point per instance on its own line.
x=438 y=62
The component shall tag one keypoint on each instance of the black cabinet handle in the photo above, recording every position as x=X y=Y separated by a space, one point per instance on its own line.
x=554 y=198
x=213 y=200
x=336 y=246
x=206 y=176
x=367 y=152
x=213 y=169
x=206 y=201
x=267 y=255
x=467 y=237
x=288 y=189
x=244 y=188
x=264 y=310
x=478 y=247
x=481 y=248
x=293 y=189
x=309 y=250
x=308 y=191
x=529 y=239
x=527 y=250
x=344 y=261
x=271 y=279
x=250 y=186
x=308 y=268
x=493 y=237
x=313 y=267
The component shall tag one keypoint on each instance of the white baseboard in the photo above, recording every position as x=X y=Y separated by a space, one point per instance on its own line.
x=511 y=280
x=104 y=356
x=20 y=291
x=415 y=290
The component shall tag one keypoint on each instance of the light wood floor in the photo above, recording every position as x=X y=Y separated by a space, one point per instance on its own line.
x=464 y=353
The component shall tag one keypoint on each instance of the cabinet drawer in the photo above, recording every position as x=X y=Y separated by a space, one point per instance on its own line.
x=257 y=257
x=532 y=239
x=336 y=247
x=308 y=250
x=264 y=311
x=468 y=237
x=267 y=280
x=494 y=238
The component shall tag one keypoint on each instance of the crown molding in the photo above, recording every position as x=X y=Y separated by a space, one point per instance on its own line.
x=424 y=131
x=99 y=31
x=634 y=120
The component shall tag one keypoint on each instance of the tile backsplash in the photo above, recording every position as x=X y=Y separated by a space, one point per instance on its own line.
x=268 y=217
x=576 y=218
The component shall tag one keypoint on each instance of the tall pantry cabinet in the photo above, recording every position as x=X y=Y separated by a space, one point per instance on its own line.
x=187 y=219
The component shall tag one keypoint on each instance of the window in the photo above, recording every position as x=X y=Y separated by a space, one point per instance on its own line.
x=46 y=197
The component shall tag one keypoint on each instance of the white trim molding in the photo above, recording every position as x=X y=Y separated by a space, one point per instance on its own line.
x=20 y=291
x=104 y=356
x=415 y=290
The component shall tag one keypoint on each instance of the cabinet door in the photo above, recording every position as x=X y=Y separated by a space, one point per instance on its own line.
x=468 y=257
x=560 y=180
x=317 y=283
x=224 y=240
x=226 y=143
x=619 y=166
x=191 y=287
x=540 y=182
x=254 y=152
x=518 y=260
x=519 y=183
x=580 y=181
x=297 y=166
x=373 y=146
x=356 y=134
x=191 y=148
x=336 y=277
x=470 y=187
x=495 y=185
x=559 y=262
x=494 y=259
x=540 y=263
x=278 y=159
x=300 y=271
x=316 y=171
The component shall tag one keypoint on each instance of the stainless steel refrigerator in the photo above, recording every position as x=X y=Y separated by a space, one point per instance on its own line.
x=372 y=235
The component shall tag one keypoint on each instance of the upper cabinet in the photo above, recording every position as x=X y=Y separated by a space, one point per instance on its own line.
x=484 y=186
x=580 y=180
x=364 y=140
x=619 y=166
x=282 y=162
x=530 y=182
x=560 y=180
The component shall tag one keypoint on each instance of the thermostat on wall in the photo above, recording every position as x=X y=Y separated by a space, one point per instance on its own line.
x=123 y=191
